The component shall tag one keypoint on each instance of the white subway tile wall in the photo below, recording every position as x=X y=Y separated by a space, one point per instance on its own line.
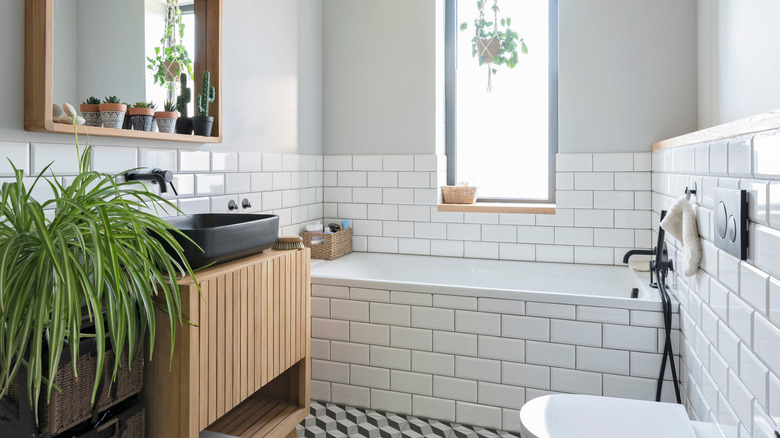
x=289 y=186
x=475 y=360
x=728 y=311
x=603 y=208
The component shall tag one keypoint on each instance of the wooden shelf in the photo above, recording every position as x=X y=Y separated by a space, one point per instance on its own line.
x=259 y=417
x=749 y=125
x=63 y=128
x=499 y=207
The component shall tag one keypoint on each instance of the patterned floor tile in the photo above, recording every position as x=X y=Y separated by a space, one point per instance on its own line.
x=327 y=420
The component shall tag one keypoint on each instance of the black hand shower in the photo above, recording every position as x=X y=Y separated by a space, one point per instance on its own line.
x=662 y=266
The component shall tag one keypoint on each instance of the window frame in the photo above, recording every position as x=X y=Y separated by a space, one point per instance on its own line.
x=450 y=101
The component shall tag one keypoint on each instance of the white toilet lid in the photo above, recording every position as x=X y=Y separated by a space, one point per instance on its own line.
x=589 y=416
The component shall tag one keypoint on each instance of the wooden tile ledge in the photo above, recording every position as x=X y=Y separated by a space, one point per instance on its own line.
x=499 y=207
x=749 y=125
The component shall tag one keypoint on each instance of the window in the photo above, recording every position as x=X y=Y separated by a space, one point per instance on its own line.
x=503 y=141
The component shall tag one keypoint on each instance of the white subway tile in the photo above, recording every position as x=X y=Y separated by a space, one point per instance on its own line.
x=455 y=343
x=739 y=156
x=564 y=181
x=398 y=196
x=261 y=182
x=351 y=179
x=754 y=375
x=320 y=349
x=563 y=217
x=501 y=306
x=614 y=238
x=454 y=389
x=574 y=199
x=464 y=232
x=426 y=163
x=349 y=310
x=774 y=396
x=373 y=334
x=389 y=401
x=766 y=154
x=455 y=302
x=728 y=270
x=774 y=300
x=740 y=316
x=531 y=376
x=337 y=162
x=481 y=250
x=754 y=287
x=362 y=294
x=555 y=254
x=352 y=211
x=629 y=387
x=485 y=416
x=758 y=200
x=398 y=163
x=330 y=371
x=382 y=212
x=195 y=205
x=387 y=357
x=391 y=314
x=574 y=236
x=719 y=158
x=594 y=181
x=478 y=323
x=767 y=343
x=481 y=218
x=63 y=160
x=367 y=228
x=575 y=332
x=446 y=248
x=413 y=338
x=550 y=310
x=367 y=162
x=531 y=234
x=429 y=407
x=151 y=158
x=543 y=353
x=348 y=352
x=630 y=338
x=209 y=184
x=740 y=399
x=330 y=179
x=417 y=213
x=633 y=181
x=702 y=158
x=413 y=179
x=330 y=329
x=350 y=395
x=320 y=307
x=614 y=162
x=192 y=161
x=632 y=219
x=501 y=348
x=574 y=162
x=337 y=194
x=269 y=162
x=574 y=381
x=593 y=255
x=766 y=249
x=612 y=200
x=411 y=383
x=383 y=179
x=238 y=182
x=516 y=219
x=594 y=218
x=499 y=233
x=445 y=216
x=478 y=369
x=524 y=327
x=412 y=298
x=512 y=251
x=603 y=314
x=430 y=230
x=603 y=360
x=433 y=318
x=113 y=159
x=433 y=363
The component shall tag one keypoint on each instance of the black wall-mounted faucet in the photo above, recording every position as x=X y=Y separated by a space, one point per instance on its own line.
x=157 y=176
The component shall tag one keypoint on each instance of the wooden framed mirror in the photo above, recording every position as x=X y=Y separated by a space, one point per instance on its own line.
x=45 y=40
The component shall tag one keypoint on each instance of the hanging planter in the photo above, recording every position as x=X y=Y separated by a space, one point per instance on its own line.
x=170 y=57
x=494 y=42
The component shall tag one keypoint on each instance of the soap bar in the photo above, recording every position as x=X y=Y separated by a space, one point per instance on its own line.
x=639 y=266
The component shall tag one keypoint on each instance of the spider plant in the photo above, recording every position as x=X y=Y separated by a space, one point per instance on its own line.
x=88 y=247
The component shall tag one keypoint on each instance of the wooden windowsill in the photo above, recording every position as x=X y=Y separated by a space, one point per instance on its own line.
x=499 y=207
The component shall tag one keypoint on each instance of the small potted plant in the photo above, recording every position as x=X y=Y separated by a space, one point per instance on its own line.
x=166 y=120
x=184 y=122
x=202 y=123
x=112 y=111
x=141 y=115
x=90 y=110
x=170 y=57
x=497 y=46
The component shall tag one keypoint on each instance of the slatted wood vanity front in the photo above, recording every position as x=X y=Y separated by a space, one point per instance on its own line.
x=242 y=368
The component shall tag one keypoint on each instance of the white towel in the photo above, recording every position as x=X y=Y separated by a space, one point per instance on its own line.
x=680 y=222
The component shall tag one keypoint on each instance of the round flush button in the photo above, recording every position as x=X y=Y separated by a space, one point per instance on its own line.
x=721 y=220
x=732 y=229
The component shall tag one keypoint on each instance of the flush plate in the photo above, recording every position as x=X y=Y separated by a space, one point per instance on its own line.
x=731 y=217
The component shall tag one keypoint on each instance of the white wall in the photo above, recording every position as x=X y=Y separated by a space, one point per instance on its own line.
x=379 y=76
x=66 y=25
x=617 y=89
x=627 y=73
x=738 y=65
x=265 y=85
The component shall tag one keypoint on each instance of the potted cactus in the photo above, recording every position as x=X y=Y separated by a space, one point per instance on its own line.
x=184 y=122
x=112 y=111
x=141 y=115
x=90 y=110
x=202 y=123
x=166 y=120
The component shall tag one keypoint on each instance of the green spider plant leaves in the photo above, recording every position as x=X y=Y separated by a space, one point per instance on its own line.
x=88 y=251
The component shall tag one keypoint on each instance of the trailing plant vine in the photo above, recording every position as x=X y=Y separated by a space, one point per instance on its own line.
x=171 y=56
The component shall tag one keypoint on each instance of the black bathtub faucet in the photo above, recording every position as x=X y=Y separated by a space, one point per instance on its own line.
x=156 y=176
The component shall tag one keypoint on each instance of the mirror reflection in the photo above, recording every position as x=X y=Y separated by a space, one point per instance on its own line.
x=130 y=49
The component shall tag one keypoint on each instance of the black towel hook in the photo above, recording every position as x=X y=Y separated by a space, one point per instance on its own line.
x=689 y=192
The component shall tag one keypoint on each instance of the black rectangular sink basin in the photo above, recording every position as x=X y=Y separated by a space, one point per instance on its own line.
x=224 y=236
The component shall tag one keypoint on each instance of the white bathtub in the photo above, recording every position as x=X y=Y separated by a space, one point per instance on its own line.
x=604 y=286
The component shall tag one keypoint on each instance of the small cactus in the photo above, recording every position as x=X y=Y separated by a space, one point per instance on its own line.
x=185 y=97
x=169 y=106
x=92 y=100
x=208 y=94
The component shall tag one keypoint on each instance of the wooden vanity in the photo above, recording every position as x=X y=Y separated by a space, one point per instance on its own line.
x=242 y=368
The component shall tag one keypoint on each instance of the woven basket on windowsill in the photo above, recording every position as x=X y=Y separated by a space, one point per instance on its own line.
x=459 y=194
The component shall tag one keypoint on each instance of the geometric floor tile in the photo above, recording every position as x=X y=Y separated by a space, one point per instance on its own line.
x=327 y=420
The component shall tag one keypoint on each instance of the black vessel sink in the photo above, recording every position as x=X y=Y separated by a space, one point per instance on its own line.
x=224 y=236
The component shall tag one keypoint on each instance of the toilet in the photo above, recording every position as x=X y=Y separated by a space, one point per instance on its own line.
x=589 y=416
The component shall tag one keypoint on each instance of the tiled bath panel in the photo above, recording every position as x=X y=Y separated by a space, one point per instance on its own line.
x=287 y=185
x=475 y=360
x=730 y=310
x=603 y=208
x=328 y=420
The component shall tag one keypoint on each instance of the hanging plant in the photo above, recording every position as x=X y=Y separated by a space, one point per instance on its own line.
x=494 y=42
x=170 y=57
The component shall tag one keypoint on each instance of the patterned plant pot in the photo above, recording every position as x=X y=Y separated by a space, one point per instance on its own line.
x=166 y=121
x=113 y=114
x=141 y=118
x=184 y=125
x=91 y=114
x=202 y=125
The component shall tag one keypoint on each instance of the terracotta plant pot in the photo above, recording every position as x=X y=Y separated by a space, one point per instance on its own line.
x=91 y=114
x=202 y=125
x=113 y=114
x=184 y=125
x=487 y=48
x=166 y=120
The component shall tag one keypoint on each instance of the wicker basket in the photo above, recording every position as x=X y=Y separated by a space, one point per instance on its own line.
x=130 y=423
x=72 y=406
x=336 y=244
x=459 y=194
